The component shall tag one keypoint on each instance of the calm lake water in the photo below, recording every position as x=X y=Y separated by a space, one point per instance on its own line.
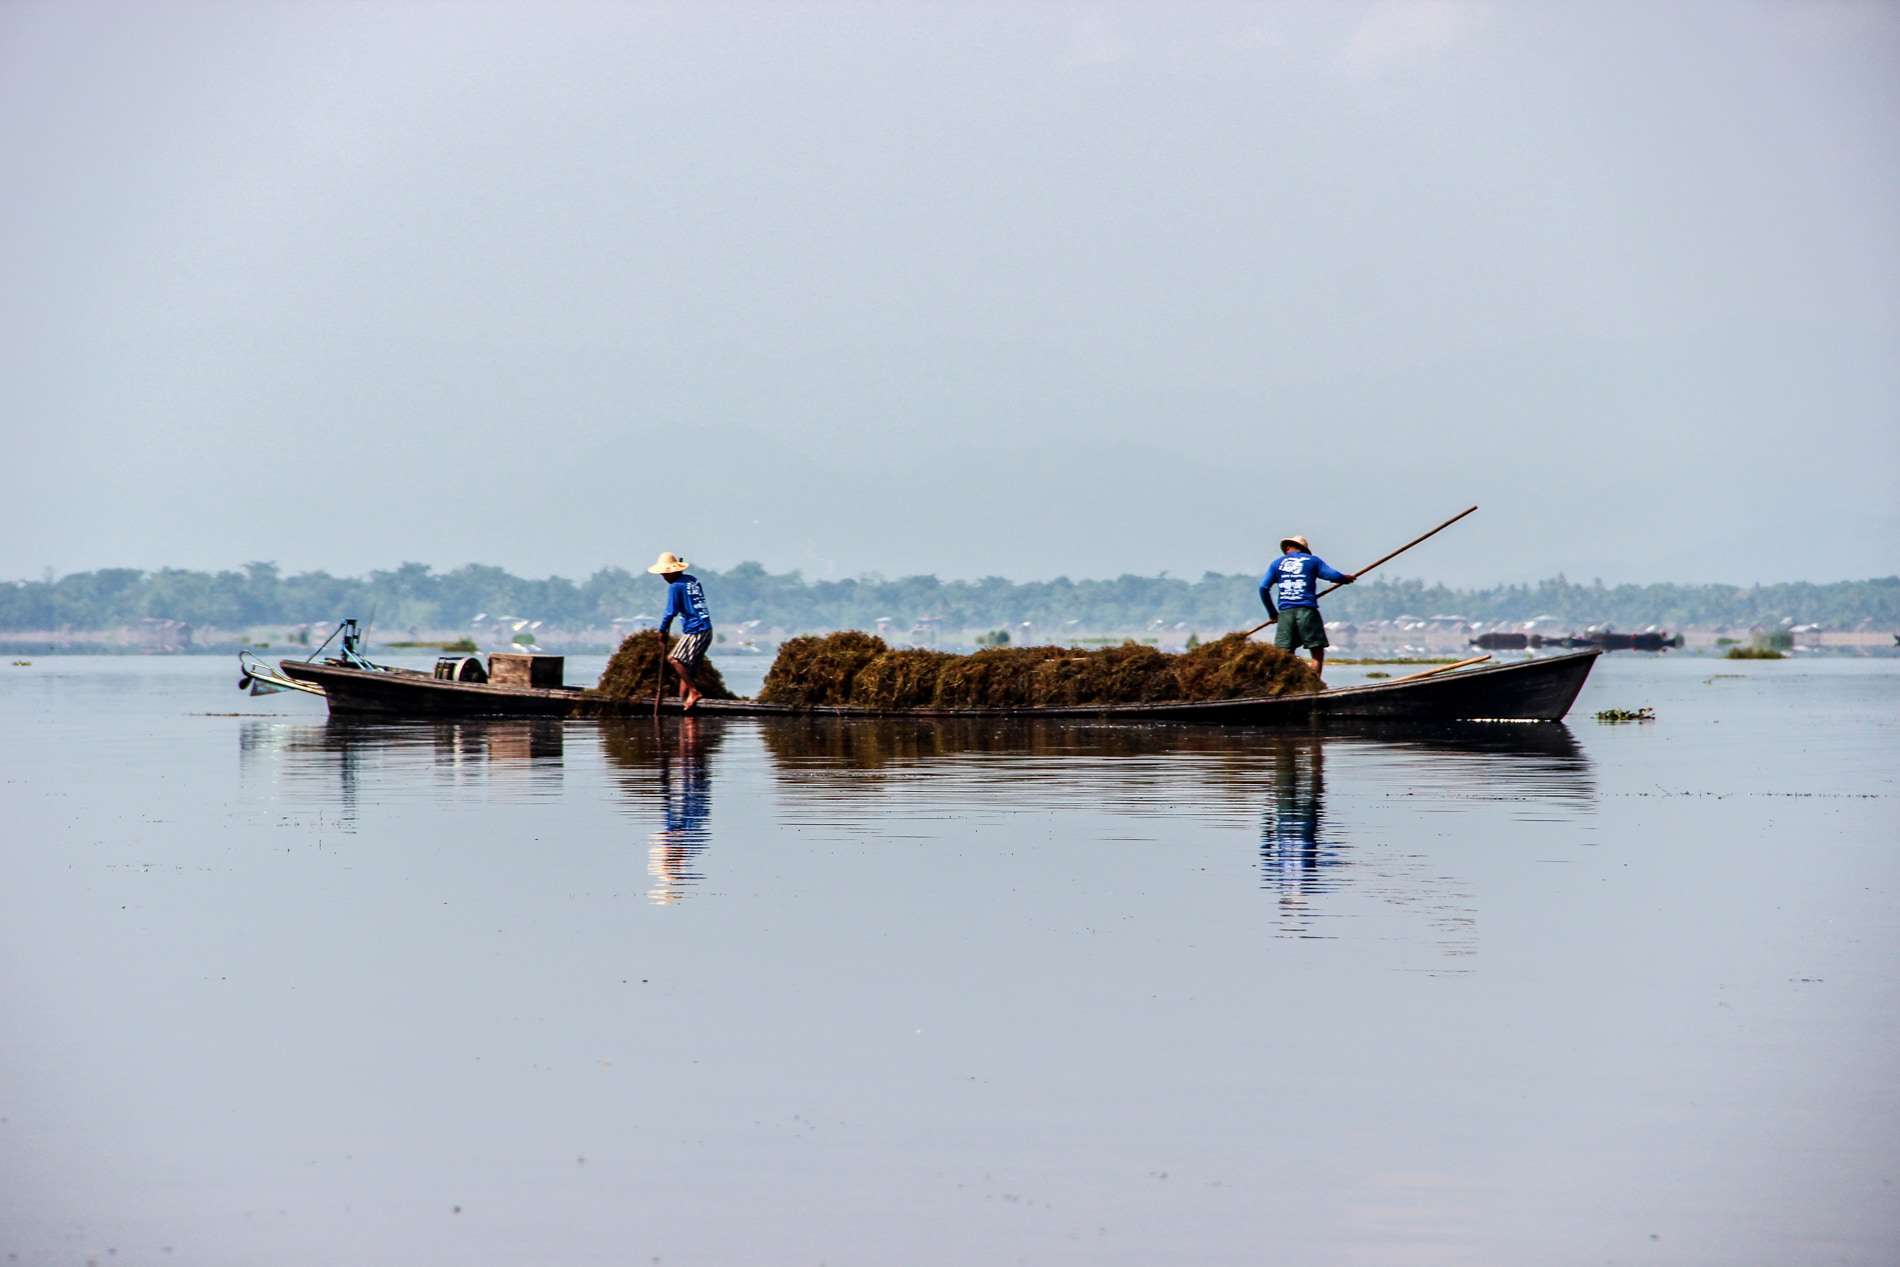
x=282 y=991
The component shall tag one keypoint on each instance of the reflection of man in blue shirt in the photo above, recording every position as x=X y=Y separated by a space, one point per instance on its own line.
x=686 y=812
x=1292 y=851
x=1293 y=584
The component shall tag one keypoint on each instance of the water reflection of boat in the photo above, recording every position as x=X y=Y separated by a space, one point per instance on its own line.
x=822 y=760
x=478 y=747
x=873 y=743
x=503 y=739
x=1271 y=787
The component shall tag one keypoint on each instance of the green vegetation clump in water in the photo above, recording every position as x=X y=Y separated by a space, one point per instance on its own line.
x=1626 y=714
x=464 y=645
x=634 y=669
x=853 y=669
x=1756 y=653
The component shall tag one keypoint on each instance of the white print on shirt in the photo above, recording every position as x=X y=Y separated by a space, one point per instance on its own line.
x=1292 y=586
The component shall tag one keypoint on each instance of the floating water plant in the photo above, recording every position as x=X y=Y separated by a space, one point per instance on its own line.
x=634 y=669
x=464 y=645
x=856 y=669
x=1756 y=653
x=1626 y=714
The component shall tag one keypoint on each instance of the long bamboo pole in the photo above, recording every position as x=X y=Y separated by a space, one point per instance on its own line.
x=1382 y=559
x=1434 y=672
x=659 y=675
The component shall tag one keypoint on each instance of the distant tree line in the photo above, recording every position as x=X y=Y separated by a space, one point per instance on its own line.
x=414 y=595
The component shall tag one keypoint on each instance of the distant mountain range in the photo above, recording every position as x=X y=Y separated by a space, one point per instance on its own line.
x=413 y=595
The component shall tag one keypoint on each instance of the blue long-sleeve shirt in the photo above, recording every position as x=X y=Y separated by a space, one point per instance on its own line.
x=686 y=598
x=1293 y=580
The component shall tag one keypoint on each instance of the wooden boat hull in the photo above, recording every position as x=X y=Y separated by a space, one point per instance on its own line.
x=1530 y=690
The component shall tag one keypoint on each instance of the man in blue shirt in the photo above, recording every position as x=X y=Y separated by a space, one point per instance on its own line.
x=685 y=598
x=1293 y=583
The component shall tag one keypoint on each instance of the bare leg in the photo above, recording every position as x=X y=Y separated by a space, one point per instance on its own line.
x=1319 y=659
x=689 y=693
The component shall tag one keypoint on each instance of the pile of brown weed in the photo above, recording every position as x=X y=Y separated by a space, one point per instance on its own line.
x=635 y=667
x=857 y=670
x=816 y=671
x=1235 y=668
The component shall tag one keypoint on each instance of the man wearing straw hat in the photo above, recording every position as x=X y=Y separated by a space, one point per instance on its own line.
x=685 y=598
x=1294 y=580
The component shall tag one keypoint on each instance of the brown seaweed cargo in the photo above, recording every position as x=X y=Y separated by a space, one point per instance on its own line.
x=635 y=670
x=856 y=670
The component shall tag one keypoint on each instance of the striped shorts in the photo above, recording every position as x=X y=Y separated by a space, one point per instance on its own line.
x=690 y=649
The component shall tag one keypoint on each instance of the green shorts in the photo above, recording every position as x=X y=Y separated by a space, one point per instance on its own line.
x=1300 y=627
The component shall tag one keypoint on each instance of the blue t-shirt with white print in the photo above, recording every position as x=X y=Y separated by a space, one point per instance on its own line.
x=686 y=598
x=1292 y=581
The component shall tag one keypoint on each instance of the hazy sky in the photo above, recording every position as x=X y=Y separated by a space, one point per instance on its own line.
x=1017 y=289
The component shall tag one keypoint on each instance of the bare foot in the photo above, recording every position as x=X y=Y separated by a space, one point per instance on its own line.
x=691 y=700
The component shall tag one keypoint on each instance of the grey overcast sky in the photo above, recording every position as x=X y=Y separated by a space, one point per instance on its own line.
x=1014 y=289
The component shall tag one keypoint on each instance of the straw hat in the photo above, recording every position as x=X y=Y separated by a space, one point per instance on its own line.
x=667 y=562
x=1295 y=541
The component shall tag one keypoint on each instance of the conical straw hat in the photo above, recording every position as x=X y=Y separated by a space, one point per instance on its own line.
x=1295 y=541
x=667 y=562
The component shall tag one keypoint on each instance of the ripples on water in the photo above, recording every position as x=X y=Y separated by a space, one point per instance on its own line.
x=926 y=780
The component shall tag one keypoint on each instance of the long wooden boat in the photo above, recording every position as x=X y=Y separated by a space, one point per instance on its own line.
x=1539 y=690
